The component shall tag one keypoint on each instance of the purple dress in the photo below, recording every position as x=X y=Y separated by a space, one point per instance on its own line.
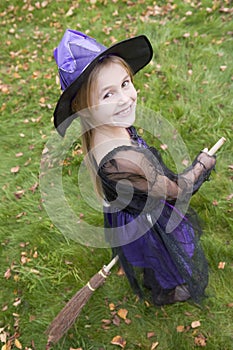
x=144 y=224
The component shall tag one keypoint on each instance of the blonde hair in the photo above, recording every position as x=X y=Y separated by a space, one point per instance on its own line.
x=83 y=100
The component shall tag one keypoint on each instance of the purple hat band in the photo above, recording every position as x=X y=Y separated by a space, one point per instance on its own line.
x=74 y=53
x=77 y=55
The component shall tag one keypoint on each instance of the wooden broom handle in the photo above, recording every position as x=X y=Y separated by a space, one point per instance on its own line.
x=111 y=264
x=216 y=147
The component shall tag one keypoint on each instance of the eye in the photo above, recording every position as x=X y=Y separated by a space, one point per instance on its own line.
x=126 y=83
x=107 y=95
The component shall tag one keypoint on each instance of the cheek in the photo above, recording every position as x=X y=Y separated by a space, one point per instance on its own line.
x=103 y=112
x=134 y=93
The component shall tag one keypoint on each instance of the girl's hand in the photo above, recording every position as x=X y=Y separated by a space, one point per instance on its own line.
x=207 y=161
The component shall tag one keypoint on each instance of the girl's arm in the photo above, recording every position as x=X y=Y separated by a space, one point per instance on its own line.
x=145 y=171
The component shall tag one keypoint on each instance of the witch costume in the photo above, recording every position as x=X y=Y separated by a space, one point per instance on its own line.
x=143 y=223
x=136 y=220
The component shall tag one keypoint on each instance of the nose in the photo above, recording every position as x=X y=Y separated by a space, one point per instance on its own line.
x=123 y=97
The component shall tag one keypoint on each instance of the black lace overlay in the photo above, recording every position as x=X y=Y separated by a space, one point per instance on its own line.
x=149 y=223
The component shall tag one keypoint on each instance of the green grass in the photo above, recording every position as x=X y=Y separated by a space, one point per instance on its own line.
x=187 y=86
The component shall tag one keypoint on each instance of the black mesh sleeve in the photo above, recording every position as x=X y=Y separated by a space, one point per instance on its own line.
x=144 y=170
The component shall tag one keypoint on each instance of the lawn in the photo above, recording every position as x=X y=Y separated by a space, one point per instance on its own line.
x=51 y=248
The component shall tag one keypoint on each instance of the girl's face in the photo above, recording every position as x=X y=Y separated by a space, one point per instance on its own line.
x=114 y=99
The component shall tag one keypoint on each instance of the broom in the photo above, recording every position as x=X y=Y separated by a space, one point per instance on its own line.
x=67 y=316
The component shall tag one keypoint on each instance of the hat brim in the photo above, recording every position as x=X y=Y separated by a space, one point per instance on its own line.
x=137 y=52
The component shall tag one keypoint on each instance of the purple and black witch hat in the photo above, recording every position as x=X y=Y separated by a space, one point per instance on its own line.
x=76 y=56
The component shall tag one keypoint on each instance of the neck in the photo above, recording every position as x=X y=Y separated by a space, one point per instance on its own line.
x=111 y=132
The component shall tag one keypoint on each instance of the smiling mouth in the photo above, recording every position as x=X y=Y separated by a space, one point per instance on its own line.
x=124 y=111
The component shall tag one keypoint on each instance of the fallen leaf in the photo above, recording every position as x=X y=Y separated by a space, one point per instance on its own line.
x=118 y=340
x=15 y=169
x=20 y=154
x=7 y=274
x=116 y=321
x=230 y=305
x=120 y=272
x=18 y=344
x=229 y=197
x=17 y=302
x=223 y=68
x=3 y=335
x=106 y=321
x=200 y=340
x=20 y=215
x=185 y=162
x=7 y=346
x=150 y=334
x=221 y=265
x=180 y=329
x=154 y=345
x=122 y=313
x=195 y=324
x=111 y=307
x=34 y=187
x=187 y=313
x=164 y=147
x=128 y=321
x=19 y=194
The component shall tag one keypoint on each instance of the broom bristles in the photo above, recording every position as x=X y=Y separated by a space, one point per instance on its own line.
x=67 y=316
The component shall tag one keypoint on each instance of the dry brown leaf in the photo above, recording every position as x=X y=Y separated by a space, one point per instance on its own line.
x=17 y=302
x=122 y=313
x=3 y=335
x=118 y=340
x=150 y=334
x=164 y=147
x=20 y=215
x=187 y=313
x=7 y=346
x=230 y=305
x=106 y=321
x=111 y=306
x=128 y=321
x=34 y=187
x=180 y=329
x=15 y=169
x=185 y=162
x=200 y=340
x=195 y=324
x=229 y=197
x=7 y=274
x=223 y=68
x=116 y=321
x=19 y=194
x=221 y=265
x=154 y=345
x=120 y=271
x=18 y=344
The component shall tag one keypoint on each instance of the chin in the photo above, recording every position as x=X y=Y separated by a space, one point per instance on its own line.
x=125 y=122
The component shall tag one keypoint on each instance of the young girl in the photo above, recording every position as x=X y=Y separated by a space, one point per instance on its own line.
x=139 y=191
